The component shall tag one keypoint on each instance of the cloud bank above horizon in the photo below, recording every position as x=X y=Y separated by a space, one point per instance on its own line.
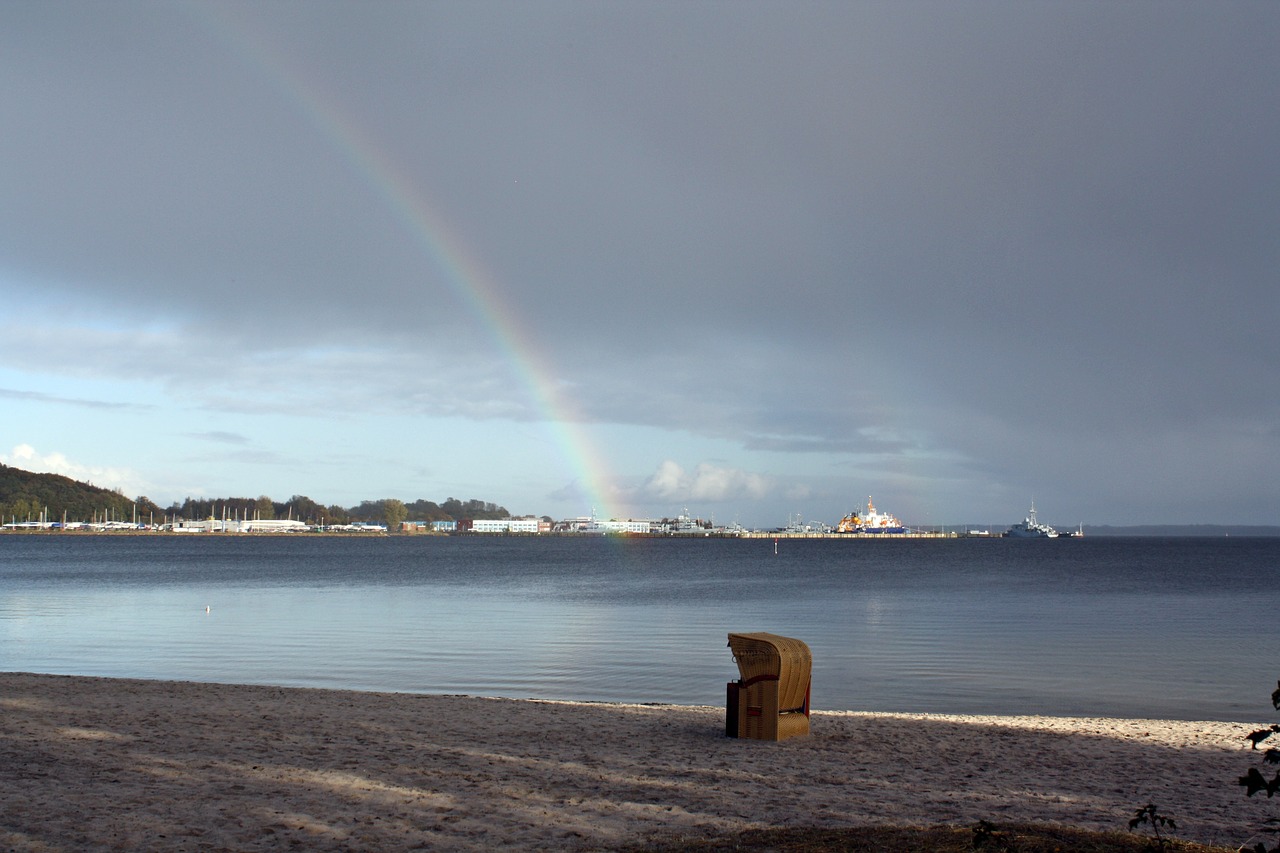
x=749 y=260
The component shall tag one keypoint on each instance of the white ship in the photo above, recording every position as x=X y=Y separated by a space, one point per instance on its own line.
x=1030 y=528
x=870 y=522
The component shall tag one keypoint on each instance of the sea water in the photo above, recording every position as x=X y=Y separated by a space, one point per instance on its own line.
x=1178 y=628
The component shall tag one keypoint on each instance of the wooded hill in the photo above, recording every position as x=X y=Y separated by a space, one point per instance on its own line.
x=27 y=496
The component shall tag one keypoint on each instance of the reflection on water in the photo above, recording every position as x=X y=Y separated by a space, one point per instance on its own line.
x=1117 y=627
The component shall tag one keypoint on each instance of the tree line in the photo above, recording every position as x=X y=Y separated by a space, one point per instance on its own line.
x=389 y=511
x=28 y=496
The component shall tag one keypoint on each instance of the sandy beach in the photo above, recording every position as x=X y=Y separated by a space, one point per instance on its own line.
x=112 y=764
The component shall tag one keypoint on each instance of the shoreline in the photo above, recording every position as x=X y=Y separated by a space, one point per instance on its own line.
x=106 y=763
x=317 y=534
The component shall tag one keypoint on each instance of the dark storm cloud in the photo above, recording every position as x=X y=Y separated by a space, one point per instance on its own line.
x=955 y=230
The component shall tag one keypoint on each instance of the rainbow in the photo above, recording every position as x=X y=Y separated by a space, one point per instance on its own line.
x=463 y=271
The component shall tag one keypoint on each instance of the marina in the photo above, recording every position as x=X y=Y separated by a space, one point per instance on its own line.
x=865 y=523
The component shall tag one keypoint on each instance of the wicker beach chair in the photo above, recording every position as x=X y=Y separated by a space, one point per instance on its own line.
x=771 y=699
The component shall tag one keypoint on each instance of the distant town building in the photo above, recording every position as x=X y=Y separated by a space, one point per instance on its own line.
x=509 y=525
x=428 y=526
x=257 y=525
x=630 y=525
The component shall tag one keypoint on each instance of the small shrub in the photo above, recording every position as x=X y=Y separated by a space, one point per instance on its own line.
x=987 y=837
x=1150 y=814
x=1255 y=783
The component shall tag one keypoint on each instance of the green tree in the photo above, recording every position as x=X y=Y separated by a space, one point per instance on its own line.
x=425 y=510
x=24 y=509
x=473 y=508
x=148 y=511
x=305 y=509
x=395 y=513
x=367 y=511
x=264 y=508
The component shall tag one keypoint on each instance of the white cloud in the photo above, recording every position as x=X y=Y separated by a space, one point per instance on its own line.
x=27 y=458
x=665 y=482
x=706 y=482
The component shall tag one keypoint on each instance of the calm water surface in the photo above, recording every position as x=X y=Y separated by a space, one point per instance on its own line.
x=1135 y=627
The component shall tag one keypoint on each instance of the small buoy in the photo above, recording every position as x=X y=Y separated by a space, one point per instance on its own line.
x=206 y=608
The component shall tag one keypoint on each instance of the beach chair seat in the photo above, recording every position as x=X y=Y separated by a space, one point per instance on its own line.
x=770 y=701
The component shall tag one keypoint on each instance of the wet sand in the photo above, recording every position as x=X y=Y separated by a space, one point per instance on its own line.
x=116 y=764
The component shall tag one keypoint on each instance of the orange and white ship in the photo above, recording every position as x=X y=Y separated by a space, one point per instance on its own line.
x=870 y=521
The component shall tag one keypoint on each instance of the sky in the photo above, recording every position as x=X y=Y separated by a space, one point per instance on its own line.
x=752 y=260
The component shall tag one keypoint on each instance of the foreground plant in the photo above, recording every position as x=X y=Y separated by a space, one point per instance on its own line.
x=1150 y=814
x=1254 y=782
x=987 y=837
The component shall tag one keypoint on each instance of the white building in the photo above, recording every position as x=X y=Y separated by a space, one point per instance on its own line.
x=270 y=525
x=260 y=525
x=506 y=525
x=630 y=525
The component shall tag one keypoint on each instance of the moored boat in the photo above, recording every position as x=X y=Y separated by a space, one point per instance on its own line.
x=870 y=521
x=1031 y=528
